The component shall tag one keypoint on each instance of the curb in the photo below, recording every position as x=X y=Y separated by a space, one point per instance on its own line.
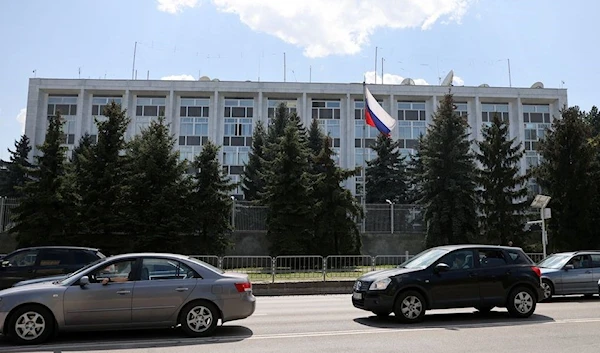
x=302 y=288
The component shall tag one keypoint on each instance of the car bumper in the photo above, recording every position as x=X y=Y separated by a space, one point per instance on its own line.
x=240 y=308
x=373 y=301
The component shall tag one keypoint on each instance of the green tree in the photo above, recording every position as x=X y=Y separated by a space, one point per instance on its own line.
x=386 y=174
x=337 y=211
x=156 y=191
x=593 y=118
x=315 y=137
x=567 y=173
x=449 y=179
x=503 y=194
x=40 y=215
x=14 y=172
x=253 y=182
x=99 y=180
x=211 y=204
x=288 y=196
x=415 y=171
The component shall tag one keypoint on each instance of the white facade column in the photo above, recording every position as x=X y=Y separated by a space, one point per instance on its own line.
x=520 y=131
x=261 y=108
x=215 y=123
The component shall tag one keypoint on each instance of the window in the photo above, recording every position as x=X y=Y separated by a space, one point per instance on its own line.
x=22 y=259
x=165 y=269
x=459 y=260
x=55 y=257
x=580 y=261
x=119 y=271
x=98 y=105
x=595 y=260
x=411 y=124
x=328 y=113
x=150 y=106
x=358 y=162
x=519 y=257
x=67 y=107
x=273 y=103
x=488 y=110
x=491 y=258
x=83 y=257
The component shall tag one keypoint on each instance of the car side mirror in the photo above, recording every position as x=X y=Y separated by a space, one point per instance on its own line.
x=441 y=267
x=84 y=281
x=569 y=267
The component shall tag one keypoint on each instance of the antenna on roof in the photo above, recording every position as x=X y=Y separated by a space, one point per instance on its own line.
x=448 y=80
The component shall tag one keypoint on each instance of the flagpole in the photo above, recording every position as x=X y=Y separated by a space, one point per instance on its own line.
x=364 y=169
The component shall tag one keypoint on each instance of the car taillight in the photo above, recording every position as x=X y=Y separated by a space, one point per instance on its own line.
x=243 y=287
x=537 y=271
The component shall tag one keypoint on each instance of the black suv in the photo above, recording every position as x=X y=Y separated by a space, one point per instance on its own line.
x=28 y=264
x=453 y=276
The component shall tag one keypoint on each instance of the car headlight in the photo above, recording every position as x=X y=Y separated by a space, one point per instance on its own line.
x=380 y=284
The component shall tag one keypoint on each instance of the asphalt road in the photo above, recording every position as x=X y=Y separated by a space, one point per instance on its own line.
x=331 y=324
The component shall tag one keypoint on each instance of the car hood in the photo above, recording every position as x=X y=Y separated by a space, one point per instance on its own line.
x=375 y=275
x=548 y=271
x=40 y=280
x=20 y=290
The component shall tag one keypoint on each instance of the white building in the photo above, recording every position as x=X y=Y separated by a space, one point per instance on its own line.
x=225 y=112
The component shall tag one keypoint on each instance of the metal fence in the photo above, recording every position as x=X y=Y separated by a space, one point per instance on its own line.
x=267 y=269
x=248 y=217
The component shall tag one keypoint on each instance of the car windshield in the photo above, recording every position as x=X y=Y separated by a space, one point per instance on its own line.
x=424 y=259
x=71 y=275
x=555 y=261
x=207 y=265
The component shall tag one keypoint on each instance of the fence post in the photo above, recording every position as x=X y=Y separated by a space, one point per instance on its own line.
x=373 y=263
x=406 y=255
x=325 y=268
x=220 y=262
x=2 y=207
x=273 y=268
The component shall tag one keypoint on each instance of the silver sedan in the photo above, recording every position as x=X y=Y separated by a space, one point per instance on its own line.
x=146 y=290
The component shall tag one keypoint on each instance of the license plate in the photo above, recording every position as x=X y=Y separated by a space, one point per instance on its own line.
x=357 y=296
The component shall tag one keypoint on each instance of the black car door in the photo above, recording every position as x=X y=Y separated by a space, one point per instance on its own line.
x=457 y=286
x=18 y=266
x=495 y=274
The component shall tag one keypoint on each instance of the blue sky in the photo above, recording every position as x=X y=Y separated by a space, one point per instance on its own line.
x=323 y=40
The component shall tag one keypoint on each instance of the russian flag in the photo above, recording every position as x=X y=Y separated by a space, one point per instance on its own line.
x=376 y=116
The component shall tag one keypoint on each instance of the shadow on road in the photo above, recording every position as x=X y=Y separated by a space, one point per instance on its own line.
x=572 y=299
x=456 y=321
x=135 y=339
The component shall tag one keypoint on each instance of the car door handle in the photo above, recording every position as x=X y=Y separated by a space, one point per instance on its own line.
x=181 y=289
x=124 y=292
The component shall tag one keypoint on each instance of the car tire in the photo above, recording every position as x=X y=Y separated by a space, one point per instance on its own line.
x=199 y=318
x=30 y=324
x=521 y=302
x=382 y=314
x=410 y=307
x=548 y=289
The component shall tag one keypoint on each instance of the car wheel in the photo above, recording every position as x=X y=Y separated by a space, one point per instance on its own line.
x=382 y=314
x=521 y=302
x=199 y=319
x=410 y=307
x=31 y=324
x=548 y=289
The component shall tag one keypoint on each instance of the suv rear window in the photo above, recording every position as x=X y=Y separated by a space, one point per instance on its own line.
x=84 y=257
x=519 y=257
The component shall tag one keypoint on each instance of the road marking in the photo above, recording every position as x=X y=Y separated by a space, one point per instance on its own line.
x=225 y=339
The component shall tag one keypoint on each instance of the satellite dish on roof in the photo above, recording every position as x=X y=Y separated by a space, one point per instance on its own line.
x=537 y=85
x=204 y=78
x=216 y=80
x=448 y=80
x=408 y=82
x=484 y=85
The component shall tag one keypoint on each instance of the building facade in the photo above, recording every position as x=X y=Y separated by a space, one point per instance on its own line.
x=226 y=113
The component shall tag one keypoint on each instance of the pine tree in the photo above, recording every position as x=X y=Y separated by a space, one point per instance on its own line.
x=315 y=137
x=503 y=194
x=40 y=215
x=449 y=179
x=211 y=204
x=253 y=182
x=386 y=174
x=288 y=196
x=567 y=174
x=156 y=191
x=14 y=172
x=337 y=211
x=593 y=118
x=99 y=180
x=415 y=172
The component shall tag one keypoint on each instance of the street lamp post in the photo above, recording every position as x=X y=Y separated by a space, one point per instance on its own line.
x=233 y=212
x=541 y=201
x=391 y=214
